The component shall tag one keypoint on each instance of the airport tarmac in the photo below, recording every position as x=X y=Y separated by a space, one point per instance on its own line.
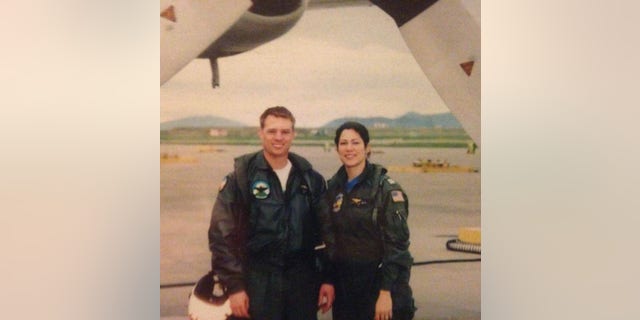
x=440 y=204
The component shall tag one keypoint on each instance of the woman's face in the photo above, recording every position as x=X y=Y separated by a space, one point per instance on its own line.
x=351 y=149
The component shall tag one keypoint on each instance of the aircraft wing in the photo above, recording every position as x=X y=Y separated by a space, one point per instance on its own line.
x=337 y=3
x=211 y=29
x=444 y=38
x=188 y=27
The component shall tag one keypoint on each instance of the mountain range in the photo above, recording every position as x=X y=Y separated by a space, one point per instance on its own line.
x=409 y=120
x=201 y=122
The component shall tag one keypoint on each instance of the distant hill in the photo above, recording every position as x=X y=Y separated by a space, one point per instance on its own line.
x=409 y=120
x=201 y=122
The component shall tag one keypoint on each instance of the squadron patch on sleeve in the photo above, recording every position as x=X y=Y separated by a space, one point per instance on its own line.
x=391 y=181
x=222 y=184
x=396 y=196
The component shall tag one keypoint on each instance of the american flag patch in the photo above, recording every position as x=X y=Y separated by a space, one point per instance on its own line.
x=396 y=196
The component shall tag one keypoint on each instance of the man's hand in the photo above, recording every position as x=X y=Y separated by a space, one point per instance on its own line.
x=326 y=297
x=239 y=303
x=384 y=306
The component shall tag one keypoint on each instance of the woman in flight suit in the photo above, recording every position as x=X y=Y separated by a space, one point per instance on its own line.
x=369 y=219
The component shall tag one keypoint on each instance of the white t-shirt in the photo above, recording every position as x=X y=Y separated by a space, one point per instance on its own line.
x=283 y=175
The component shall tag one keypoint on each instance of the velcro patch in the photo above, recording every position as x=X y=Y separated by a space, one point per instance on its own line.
x=222 y=184
x=338 y=202
x=260 y=189
x=396 y=196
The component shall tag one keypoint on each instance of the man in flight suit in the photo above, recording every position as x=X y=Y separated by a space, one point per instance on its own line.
x=266 y=233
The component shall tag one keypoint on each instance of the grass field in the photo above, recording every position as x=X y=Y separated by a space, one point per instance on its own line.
x=388 y=137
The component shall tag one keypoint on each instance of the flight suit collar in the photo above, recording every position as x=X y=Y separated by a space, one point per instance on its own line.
x=297 y=162
x=371 y=170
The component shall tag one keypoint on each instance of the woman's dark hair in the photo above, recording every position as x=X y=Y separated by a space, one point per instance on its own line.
x=357 y=127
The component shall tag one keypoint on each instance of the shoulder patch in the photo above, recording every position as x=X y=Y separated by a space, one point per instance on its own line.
x=396 y=196
x=391 y=181
x=222 y=184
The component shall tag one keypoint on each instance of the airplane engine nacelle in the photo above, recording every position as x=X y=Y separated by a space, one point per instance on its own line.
x=265 y=21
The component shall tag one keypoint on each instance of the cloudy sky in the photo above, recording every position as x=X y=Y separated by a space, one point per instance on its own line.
x=350 y=61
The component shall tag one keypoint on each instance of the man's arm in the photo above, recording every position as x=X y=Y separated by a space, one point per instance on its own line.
x=225 y=237
x=325 y=229
x=326 y=296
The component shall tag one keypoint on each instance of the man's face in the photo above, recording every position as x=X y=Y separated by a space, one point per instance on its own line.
x=277 y=135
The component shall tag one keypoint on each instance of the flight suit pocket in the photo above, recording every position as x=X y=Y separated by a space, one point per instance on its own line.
x=398 y=227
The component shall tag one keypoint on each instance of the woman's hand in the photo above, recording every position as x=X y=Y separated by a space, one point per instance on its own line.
x=326 y=297
x=384 y=306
